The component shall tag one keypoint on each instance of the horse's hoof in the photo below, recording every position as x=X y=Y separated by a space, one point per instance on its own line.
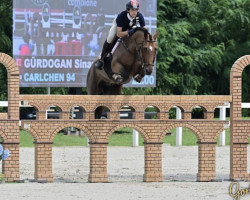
x=138 y=78
x=117 y=78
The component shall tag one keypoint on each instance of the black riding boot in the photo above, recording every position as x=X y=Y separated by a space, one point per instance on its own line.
x=105 y=51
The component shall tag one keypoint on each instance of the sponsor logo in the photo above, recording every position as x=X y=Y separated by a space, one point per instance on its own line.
x=81 y=3
x=77 y=15
x=46 y=12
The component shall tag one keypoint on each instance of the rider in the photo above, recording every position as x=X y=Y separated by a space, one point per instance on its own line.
x=123 y=25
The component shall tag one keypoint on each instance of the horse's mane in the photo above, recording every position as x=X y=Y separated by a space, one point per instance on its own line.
x=144 y=30
x=125 y=40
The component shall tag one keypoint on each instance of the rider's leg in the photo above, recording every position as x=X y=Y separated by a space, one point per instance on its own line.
x=105 y=51
x=107 y=45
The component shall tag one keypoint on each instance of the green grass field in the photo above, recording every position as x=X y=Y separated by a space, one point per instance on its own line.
x=122 y=137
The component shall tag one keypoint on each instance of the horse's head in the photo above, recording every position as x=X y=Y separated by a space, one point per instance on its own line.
x=146 y=48
x=149 y=53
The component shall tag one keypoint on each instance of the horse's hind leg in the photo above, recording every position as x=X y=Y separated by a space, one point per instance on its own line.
x=92 y=82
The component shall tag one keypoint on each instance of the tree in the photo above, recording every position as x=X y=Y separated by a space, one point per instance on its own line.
x=199 y=41
x=6 y=26
x=5 y=41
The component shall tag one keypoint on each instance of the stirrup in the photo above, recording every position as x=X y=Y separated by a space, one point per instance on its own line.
x=99 y=64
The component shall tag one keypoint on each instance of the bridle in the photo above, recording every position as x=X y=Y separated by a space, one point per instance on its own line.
x=140 y=51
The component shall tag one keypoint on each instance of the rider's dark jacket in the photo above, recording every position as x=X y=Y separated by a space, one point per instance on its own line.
x=126 y=22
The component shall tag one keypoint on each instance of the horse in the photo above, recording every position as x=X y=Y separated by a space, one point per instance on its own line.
x=133 y=58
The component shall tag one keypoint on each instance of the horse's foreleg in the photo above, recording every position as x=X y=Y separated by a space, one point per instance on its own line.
x=120 y=73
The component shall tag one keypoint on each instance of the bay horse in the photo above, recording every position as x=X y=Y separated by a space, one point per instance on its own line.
x=133 y=58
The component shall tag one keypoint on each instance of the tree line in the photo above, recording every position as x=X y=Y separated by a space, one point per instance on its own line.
x=198 y=42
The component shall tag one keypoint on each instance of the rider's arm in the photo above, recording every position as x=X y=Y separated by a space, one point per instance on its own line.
x=121 y=33
x=142 y=21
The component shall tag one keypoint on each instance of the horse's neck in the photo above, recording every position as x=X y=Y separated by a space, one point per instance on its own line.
x=128 y=56
x=136 y=41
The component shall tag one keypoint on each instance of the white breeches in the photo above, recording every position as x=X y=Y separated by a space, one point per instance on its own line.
x=112 y=32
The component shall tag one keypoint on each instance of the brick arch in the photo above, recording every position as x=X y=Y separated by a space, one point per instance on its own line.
x=183 y=108
x=218 y=133
x=236 y=85
x=192 y=128
x=216 y=106
x=35 y=136
x=9 y=63
x=36 y=106
x=154 y=105
x=204 y=107
x=99 y=105
x=68 y=108
x=120 y=107
x=240 y=64
x=13 y=85
x=61 y=110
x=81 y=127
x=60 y=107
x=139 y=129
x=133 y=105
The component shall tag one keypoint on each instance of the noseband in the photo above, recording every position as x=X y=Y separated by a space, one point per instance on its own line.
x=140 y=52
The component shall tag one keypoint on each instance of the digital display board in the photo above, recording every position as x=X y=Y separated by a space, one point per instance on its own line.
x=56 y=41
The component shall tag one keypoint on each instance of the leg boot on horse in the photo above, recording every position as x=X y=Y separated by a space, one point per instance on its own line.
x=105 y=51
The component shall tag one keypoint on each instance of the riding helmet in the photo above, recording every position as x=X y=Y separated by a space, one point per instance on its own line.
x=133 y=4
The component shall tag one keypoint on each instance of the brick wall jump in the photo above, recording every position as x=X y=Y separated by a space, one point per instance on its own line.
x=98 y=131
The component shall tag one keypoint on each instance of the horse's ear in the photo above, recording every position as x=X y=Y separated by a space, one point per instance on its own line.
x=149 y=37
x=155 y=35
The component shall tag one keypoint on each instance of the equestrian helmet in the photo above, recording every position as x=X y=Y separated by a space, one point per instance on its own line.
x=133 y=4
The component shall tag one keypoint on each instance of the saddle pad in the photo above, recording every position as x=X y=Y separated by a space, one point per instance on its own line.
x=116 y=45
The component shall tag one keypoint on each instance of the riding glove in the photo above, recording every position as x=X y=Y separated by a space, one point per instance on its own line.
x=131 y=31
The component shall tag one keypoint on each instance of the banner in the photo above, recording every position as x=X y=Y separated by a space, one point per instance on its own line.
x=56 y=41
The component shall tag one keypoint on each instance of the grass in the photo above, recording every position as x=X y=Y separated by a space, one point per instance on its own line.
x=61 y=140
x=123 y=137
x=26 y=140
x=188 y=138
